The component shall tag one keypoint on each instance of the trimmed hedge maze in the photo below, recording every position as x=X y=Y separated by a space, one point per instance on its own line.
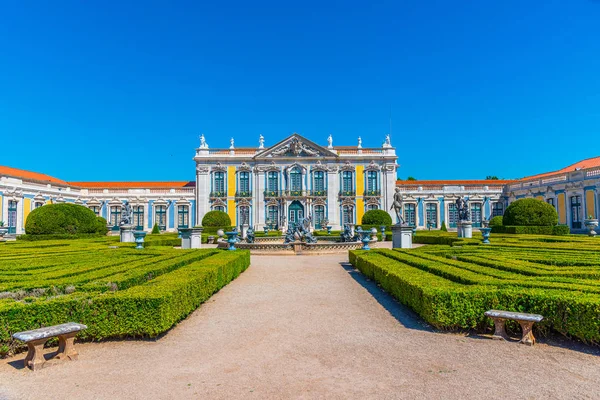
x=451 y=287
x=116 y=291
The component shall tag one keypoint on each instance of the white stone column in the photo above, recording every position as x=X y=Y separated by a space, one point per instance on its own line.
x=333 y=206
x=202 y=192
x=259 y=200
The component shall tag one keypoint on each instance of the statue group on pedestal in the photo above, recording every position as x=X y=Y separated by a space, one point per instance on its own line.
x=462 y=207
x=300 y=231
x=126 y=214
x=347 y=236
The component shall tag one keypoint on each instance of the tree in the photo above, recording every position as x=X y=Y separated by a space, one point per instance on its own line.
x=411 y=178
x=530 y=212
x=491 y=178
x=155 y=229
x=376 y=217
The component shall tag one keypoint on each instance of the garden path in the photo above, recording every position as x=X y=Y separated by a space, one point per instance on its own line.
x=307 y=327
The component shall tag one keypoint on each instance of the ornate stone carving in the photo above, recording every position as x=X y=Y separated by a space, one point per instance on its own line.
x=244 y=167
x=347 y=167
x=202 y=169
x=319 y=166
x=219 y=167
x=373 y=166
x=295 y=148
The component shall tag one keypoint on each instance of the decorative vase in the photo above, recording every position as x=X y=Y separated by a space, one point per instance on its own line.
x=591 y=224
x=329 y=230
x=139 y=239
x=232 y=239
x=485 y=232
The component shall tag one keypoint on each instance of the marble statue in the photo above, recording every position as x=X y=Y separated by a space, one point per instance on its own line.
x=462 y=206
x=250 y=235
x=231 y=144
x=388 y=141
x=330 y=142
x=397 y=207
x=261 y=142
x=359 y=143
x=203 y=144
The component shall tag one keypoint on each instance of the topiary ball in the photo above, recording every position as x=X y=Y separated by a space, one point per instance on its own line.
x=64 y=218
x=530 y=212
x=496 y=221
x=216 y=218
x=376 y=217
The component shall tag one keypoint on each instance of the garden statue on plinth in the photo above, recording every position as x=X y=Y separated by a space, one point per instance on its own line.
x=300 y=232
x=464 y=225
x=347 y=235
x=401 y=231
x=125 y=224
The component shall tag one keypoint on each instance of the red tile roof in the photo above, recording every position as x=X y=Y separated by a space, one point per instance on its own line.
x=28 y=175
x=587 y=163
x=134 y=185
x=481 y=182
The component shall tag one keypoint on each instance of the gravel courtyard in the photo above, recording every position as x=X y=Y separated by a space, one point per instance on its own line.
x=308 y=327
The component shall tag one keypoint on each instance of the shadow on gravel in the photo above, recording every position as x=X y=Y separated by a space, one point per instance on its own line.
x=408 y=318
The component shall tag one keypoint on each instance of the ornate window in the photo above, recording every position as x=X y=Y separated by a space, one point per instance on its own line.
x=38 y=204
x=160 y=217
x=244 y=184
x=347 y=214
x=347 y=182
x=272 y=181
x=576 y=212
x=244 y=215
x=95 y=209
x=115 y=217
x=183 y=216
x=431 y=214
x=319 y=182
x=12 y=216
x=219 y=184
x=452 y=215
x=272 y=215
x=497 y=209
x=138 y=217
x=476 y=214
x=410 y=215
x=295 y=180
x=551 y=202
x=372 y=207
x=319 y=216
x=372 y=183
x=219 y=208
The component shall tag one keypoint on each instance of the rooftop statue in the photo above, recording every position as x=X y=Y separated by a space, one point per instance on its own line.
x=203 y=144
x=330 y=142
x=261 y=142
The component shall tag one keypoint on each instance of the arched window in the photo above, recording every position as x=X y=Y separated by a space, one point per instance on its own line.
x=498 y=208
x=219 y=184
x=115 y=217
x=431 y=214
x=476 y=215
x=38 y=204
x=244 y=215
x=347 y=183
x=138 y=217
x=295 y=180
x=372 y=207
x=452 y=215
x=319 y=216
x=183 y=216
x=319 y=182
x=95 y=209
x=347 y=214
x=410 y=216
x=12 y=216
x=219 y=208
x=272 y=216
x=372 y=183
x=244 y=188
x=160 y=217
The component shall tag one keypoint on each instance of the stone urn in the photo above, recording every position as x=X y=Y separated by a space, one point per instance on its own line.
x=329 y=229
x=591 y=224
x=485 y=233
x=232 y=239
x=364 y=237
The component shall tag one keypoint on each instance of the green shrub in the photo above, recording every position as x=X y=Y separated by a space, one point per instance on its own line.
x=63 y=219
x=443 y=227
x=216 y=218
x=63 y=236
x=155 y=229
x=496 y=221
x=532 y=230
x=376 y=217
x=530 y=212
x=101 y=226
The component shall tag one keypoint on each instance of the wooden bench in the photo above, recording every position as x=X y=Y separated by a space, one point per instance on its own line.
x=525 y=320
x=36 y=339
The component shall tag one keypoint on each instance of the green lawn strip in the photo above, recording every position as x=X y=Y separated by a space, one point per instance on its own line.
x=144 y=310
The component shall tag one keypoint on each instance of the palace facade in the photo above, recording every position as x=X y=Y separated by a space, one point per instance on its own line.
x=275 y=185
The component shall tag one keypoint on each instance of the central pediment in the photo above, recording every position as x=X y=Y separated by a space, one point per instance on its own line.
x=295 y=146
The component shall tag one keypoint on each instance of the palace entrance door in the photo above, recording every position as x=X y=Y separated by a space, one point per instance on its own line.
x=295 y=212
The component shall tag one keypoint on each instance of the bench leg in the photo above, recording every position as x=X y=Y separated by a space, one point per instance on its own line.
x=66 y=347
x=35 y=354
x=528 y=337
x=500 y=332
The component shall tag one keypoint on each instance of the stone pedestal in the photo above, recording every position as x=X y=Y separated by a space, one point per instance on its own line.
x=243 y=231
x=127 y=234
x=402 y=236
x=186 y=235
x=351 y=226
x=196 y=238
x=465 y=229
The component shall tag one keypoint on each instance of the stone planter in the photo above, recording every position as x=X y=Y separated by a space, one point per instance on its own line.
x=485 y=232
x=591 y=224
x=139 y=239
x=232 y=239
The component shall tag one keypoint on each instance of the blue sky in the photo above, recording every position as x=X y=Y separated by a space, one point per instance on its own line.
x=513 y=85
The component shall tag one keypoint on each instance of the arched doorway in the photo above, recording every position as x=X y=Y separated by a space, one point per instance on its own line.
x=295 y=212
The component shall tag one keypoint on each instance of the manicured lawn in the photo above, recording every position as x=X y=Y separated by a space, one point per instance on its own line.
x=451 y=287
x=115 y=291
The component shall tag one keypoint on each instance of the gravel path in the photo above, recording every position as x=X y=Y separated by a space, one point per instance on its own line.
x=308 y=327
